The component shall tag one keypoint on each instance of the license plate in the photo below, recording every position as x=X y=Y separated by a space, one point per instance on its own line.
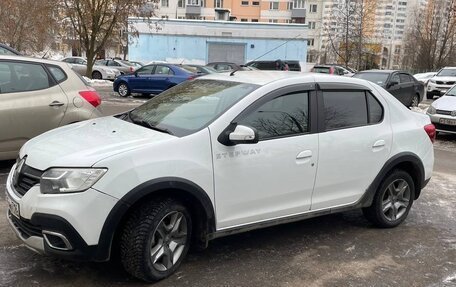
x=448 y=122
x=13 y=206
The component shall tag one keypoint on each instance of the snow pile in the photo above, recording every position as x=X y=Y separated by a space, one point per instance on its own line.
x=98 y=83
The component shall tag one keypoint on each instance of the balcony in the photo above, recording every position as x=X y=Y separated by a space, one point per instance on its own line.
x=298 y=13
x=192 y=10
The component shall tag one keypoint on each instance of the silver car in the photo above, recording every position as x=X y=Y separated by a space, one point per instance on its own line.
x=443 y=112
x=79 y=65
x=123 y=66
x=38 y=95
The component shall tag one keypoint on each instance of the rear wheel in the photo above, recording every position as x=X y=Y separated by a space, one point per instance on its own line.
x=156 y=239
x=123 y=90
x=415 y=101
x=392 y=201
x=97 y=75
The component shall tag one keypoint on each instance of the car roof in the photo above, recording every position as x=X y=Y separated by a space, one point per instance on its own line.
x=30 y=59
x=449 y=68
x=263 y=77
x=382 y=71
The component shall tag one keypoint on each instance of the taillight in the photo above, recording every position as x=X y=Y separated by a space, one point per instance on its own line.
x=430 y=130
x=191 y=77
x=92 y=97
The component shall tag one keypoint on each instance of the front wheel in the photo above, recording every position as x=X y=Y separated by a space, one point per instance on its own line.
x=156 y=239
x=97 y=75
x=392 y=201
x=123 y=90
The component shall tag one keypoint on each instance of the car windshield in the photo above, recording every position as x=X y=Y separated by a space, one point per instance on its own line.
x=451 y=92
x=447 y=73
x=378 y=78
x=190 y=106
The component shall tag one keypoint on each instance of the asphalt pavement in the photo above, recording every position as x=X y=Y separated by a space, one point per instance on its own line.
x=334 y=250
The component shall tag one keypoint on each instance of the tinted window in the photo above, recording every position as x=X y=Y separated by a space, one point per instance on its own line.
x=344 y=109
x=22 y=77
x=190 y=106
x=404 y=78
x=375 y=109
x=377 y=78
x=58 y=74
x=68 y=60
x=4 y=51
x=146 y=70
x=283 y=116
x=396 y=78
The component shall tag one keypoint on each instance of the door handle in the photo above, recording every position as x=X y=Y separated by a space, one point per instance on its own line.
x=56 y=104
x=378 y=144
x=304 y=154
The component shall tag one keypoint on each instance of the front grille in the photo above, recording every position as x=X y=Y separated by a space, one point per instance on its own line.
x=445 y=127
x=25 y=227
x=442 y=112
x=445 y=83
x=26 y=178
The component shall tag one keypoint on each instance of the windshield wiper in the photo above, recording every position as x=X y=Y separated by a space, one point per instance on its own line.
x=148 y=125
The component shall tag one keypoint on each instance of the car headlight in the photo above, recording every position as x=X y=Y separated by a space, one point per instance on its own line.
x=432 y=81
x=68 y=180
x=431 y=110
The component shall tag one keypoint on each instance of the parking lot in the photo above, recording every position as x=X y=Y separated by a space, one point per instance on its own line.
x=336 y=250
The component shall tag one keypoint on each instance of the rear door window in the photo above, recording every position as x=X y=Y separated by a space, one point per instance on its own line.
x=344 y=109
x=163 y=70
x=58 y=74
x=22 y=77
x=404 y=78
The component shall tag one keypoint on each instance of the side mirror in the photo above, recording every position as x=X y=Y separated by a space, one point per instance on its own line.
x=240 y=135
x=393 y=83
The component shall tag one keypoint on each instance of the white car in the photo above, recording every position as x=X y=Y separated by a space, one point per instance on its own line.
x=215 y=156
x=424 y=77
x=99 y=72
x=443 y=112
x=441 y=82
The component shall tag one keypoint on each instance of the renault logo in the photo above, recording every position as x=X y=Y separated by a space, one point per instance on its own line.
x=17 y=171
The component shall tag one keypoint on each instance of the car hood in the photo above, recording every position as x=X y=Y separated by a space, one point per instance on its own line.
x=444 y=79
x=83 y=144
x=446 y=103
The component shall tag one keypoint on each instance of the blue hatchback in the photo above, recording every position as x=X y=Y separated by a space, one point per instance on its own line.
x=151 y=79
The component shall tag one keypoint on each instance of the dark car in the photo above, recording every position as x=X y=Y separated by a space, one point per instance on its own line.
x=7 y=50
x=400 y=84
x=289 y=65
x=151 y=79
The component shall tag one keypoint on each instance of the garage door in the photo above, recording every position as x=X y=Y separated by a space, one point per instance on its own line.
x=234 y=53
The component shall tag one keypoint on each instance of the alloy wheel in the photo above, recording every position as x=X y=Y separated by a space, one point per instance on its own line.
x=123 y=90
x=415 y=101
x=168 y=241
x=396 y=200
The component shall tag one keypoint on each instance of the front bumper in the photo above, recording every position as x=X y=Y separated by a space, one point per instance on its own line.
x=64 y=225
x=441 y=127
x=436 y=89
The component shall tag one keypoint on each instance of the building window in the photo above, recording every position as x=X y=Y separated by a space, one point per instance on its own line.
x=254 y=20
x=289 y=21
x=218 y=3
x=300 y=4
x=273 y=20
x=165 y=3
x=289 y=5
x=313 y=8
x=310 y=42
x=256 y=3
x=244 y=3
x=193 y=2
x=244 y=20
x=274 y=5
x=312 y=25
x=181 y=3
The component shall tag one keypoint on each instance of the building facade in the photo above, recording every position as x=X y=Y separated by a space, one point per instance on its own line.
x=200 y=42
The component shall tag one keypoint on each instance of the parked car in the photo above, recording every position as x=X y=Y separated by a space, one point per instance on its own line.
x=424 y=77
x=443 y=112
x=331 y=70
x=123 y=66
x=274 y=65
x=400 y=84
x=441 y=82
x=199 y=69
x=7 y=50
x=152 y=79
x=201 y=161
x=79 y=65
x=137 y=64
x=224 y=67
x=39 y=95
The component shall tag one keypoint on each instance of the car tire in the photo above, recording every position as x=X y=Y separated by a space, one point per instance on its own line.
x=429 y=96
x=392 y=201
x=123 y=90
x=155 y=239
x=97 y=75
x=415 y=101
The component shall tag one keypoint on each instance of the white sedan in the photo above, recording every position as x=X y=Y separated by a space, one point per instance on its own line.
x=443 y=112
x=79 y=65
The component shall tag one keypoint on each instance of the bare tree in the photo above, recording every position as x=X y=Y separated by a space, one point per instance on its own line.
x=27 y=25
x=96 y=22
x=432 y=36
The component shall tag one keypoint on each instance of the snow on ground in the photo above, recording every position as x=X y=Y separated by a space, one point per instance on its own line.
x=98 y=83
